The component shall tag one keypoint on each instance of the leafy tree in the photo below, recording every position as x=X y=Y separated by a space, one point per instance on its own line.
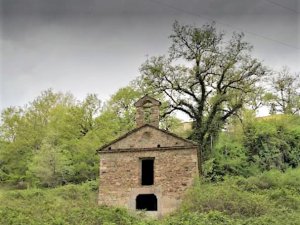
x=16 y=140
x=11 y=120
x=89 y=109
x=284 y=95
x=50 y=166
x=121 y=104
x=49 y=132
x=70 y=130
x=204 y=77
x=255 y=100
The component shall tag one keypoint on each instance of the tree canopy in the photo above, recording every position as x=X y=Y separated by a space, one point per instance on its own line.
x=204 y=76
x=283 y=94
x=52 y=140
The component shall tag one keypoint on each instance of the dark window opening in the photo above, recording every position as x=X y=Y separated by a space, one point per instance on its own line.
x=147 y=171
x=146 y=202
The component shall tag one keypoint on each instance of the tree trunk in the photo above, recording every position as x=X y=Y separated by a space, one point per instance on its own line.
x=199 y=138
x=200 y=160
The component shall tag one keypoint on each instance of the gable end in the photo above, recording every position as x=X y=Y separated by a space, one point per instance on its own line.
x=147 y=137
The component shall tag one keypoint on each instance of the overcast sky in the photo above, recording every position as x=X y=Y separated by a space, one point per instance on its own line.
x=97 y=46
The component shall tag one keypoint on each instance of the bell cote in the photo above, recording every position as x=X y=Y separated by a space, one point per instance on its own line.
x=147 y=111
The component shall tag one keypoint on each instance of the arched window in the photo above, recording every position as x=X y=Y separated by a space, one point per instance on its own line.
x=146 y=202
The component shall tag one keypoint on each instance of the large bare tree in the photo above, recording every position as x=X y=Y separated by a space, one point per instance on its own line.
x=205 y=76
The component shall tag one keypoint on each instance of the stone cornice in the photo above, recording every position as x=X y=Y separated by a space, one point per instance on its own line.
x=171 y=148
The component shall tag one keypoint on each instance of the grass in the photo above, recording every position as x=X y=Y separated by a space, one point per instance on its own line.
x=270 y=198
x=70 y=204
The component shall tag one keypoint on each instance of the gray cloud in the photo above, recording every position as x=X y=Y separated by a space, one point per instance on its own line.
x=97 y=46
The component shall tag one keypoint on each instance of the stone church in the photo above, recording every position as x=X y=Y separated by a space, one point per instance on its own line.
x=148 y=168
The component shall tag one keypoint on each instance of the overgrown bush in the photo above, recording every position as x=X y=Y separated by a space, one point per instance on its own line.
x=226 y=198
x=257 y=145
x=273 y=142
x=194 y=218
x=269 y=198
x=67 y=205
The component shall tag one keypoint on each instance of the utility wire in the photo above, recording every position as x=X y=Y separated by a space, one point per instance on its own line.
x=225 y=24
x=282 y=6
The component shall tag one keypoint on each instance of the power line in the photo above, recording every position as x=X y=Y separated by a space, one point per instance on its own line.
x=282 y=6
x=225 y=24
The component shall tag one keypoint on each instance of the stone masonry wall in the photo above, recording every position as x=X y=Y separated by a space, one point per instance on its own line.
x=120 y=177
x=148 y=137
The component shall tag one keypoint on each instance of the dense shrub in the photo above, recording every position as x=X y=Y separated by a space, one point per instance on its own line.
x=194 y=218
x=229 y=158
x=274 y=179
x=273 y=142
x=269 y=198
x=71 y=204
x=226 y=198
x=257 y=145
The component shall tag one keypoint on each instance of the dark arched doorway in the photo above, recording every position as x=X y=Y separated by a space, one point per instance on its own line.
x=146 y=202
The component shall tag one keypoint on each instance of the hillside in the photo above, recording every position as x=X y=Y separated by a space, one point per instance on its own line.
x=269 y=198
x=251 y=175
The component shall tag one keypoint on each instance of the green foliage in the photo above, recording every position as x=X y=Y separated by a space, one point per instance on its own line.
x=256 y=145
x=121 y=106
x=49 y=167
x=273 y=179
x=193 y=218
x=269 y=198
x=52 y=141
x=225 y=198
x=205 y=78
x=273 y=142
x=284 y=94
x=71 y=204
x=228 y=159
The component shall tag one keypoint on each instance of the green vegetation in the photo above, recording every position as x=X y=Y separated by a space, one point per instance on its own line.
x=233 y=190
x=269 y=198
x=205 y=77
x=256 y=145
x=71 y=204
x=52 y=141
x=250 y=166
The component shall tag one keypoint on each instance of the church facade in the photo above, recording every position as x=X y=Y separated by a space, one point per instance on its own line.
x=148 y=168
